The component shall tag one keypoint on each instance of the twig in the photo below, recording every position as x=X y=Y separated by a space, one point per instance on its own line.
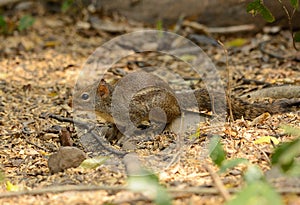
x=290 y=17
x=38 y=146
x=214 y=191
x=231 y=29
x=59 y=189
x=71 y=120
x=200 y=28
x=67 y=188
x=219 y=184
x=178 y=24
x=228 y=90
x=259 y=149
x=107 y=147
x=90 y=130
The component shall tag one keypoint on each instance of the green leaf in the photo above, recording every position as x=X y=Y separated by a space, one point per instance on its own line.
x=2 y=21
x=297 y=36
x=159 y=25
x=237 y=42
x=267 y=139
x=290 y=130
x=252 y=7
x=217 y=153
x=25 y=22
x=3 y=24
x=294 y=171
x=256 y=7
x=295 y=3
x=228 y=164
x=66 y=5
x=149 y=185
x=285 y=154
x=162 y=197
x=253 y=174
x=257 y=193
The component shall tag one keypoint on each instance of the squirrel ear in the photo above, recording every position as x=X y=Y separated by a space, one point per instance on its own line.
x=103 y=90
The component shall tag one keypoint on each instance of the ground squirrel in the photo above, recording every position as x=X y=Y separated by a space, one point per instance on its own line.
x=142 y=91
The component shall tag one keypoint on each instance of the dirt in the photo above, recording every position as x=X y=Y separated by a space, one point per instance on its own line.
x=38 y=70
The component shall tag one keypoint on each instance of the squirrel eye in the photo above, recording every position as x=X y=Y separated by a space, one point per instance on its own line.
x=85 y=96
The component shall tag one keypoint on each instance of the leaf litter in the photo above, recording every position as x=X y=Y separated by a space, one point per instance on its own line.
x=38 y=72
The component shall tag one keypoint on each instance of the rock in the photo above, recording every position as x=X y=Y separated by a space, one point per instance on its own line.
x=65 y=158
x=208 y=12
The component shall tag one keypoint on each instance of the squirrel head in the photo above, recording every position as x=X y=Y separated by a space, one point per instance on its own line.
x=96 y=97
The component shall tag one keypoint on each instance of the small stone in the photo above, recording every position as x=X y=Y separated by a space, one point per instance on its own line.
x=66 y=157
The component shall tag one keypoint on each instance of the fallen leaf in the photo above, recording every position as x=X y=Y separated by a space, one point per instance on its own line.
x=267 y=140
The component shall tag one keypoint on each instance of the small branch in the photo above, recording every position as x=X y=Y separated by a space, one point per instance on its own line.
x=290 y=17
x=119 y=153
x=228 y=90
x=80 y=188
x=231 y=29
x=259 y=149
x=178 y=24
x=71 y=120
x=219 y=184
x=59 y=189
x=200 y=28
x=90 y=130
x=67 y=188
x=34 y=144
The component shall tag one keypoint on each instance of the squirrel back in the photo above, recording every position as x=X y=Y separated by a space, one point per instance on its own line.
x=142 y=97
